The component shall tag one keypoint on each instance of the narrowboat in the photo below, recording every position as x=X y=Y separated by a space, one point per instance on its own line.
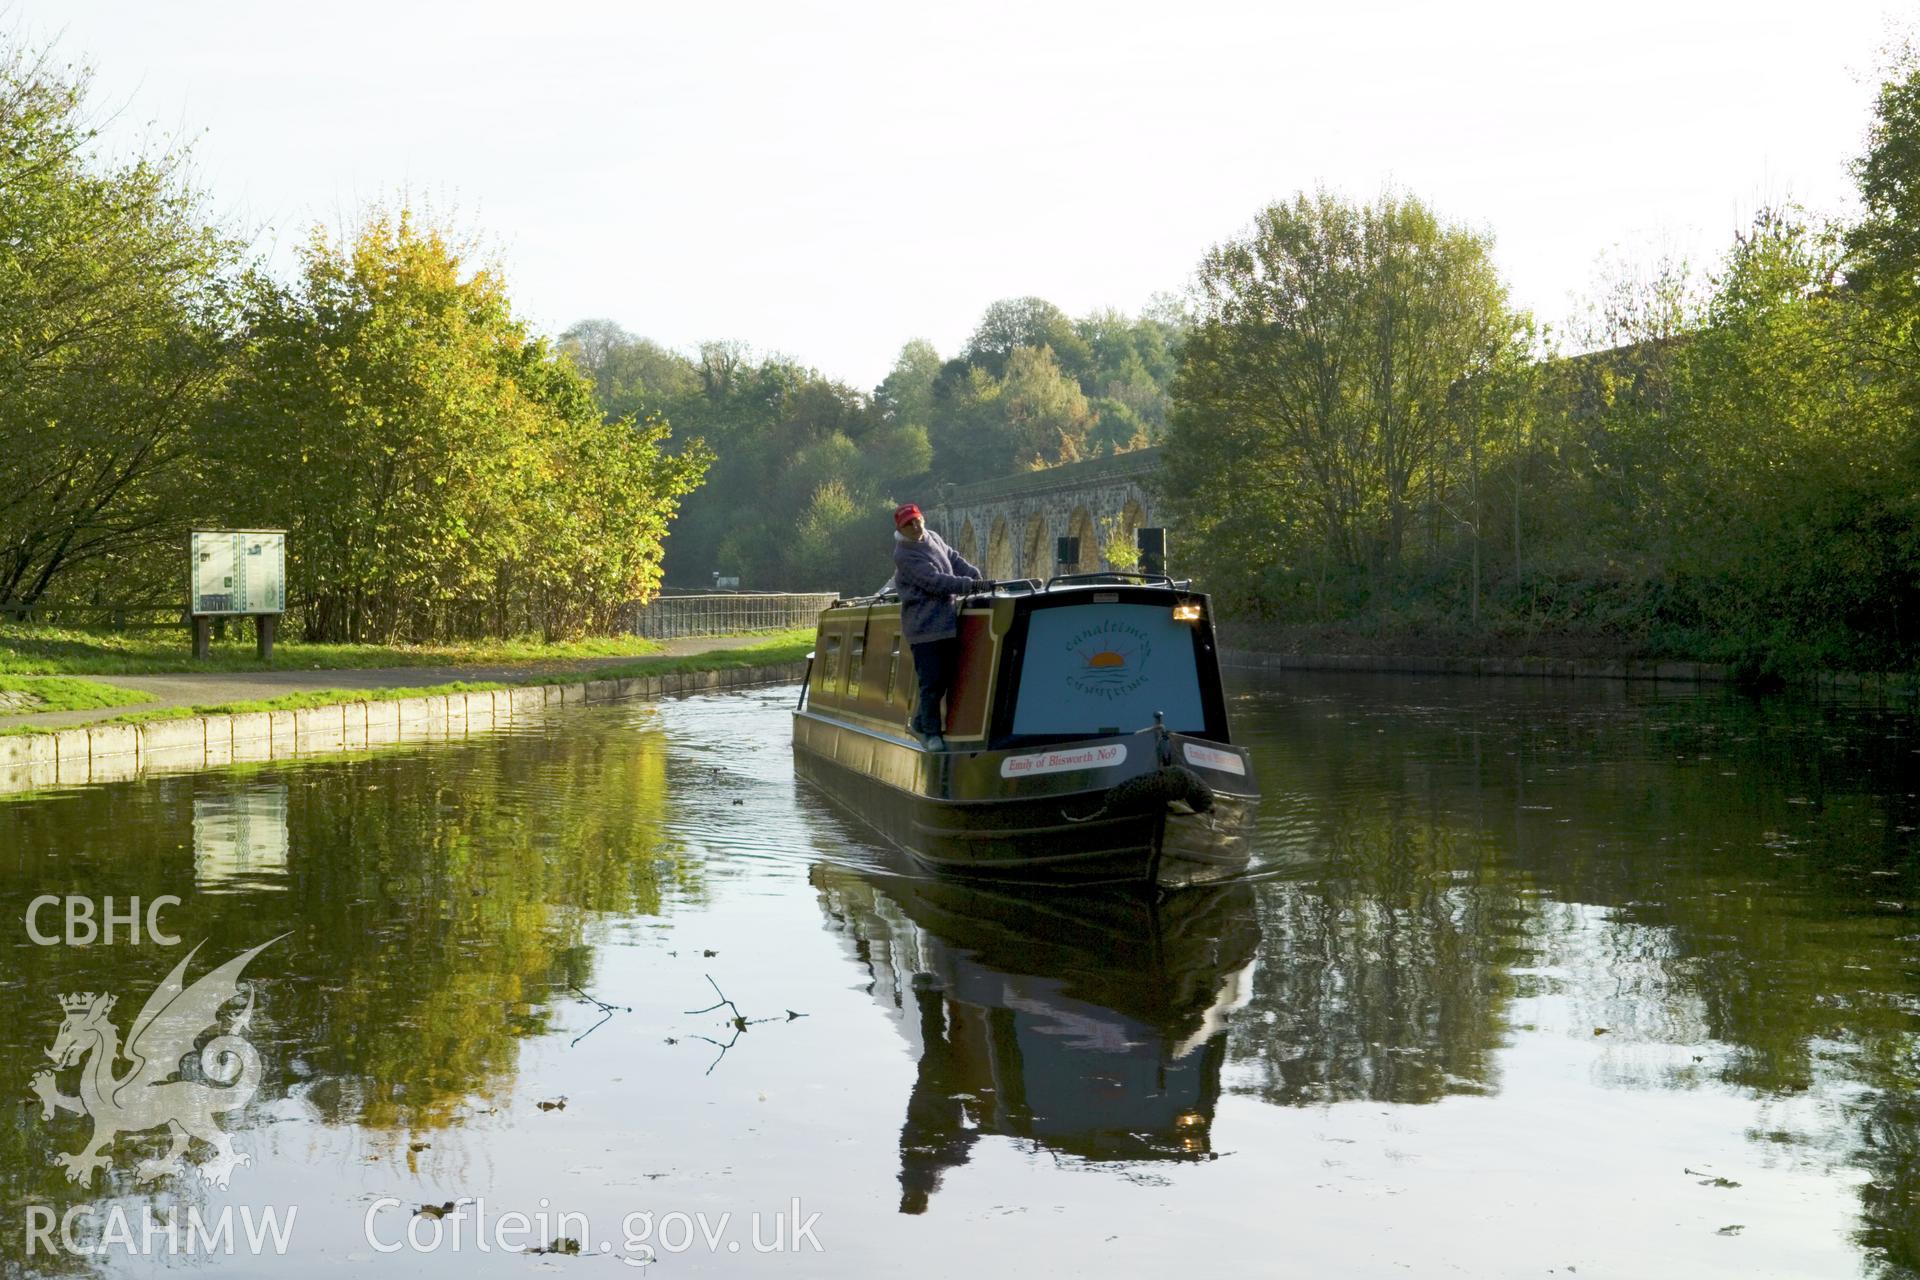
x=1086 y=736
x=1092 y=1025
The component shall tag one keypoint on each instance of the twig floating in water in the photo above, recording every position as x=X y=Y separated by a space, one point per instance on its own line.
x=597 y=1002
x=739 y=1021
x=606 y=1011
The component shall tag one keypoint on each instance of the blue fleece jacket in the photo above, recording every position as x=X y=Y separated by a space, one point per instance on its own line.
x=929 y=574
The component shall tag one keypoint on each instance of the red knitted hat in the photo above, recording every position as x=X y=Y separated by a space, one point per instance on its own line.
x=904 y=512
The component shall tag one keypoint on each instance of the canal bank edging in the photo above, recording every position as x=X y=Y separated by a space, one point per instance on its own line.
x=1563 y=668
x=119 y=752
x=1903 y=686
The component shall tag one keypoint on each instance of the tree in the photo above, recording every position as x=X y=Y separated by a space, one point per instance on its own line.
x=839 y=542
x=1311 y=407
x=631 y=376
x=801 y=460
x=1047 y=414
x=1013 y=323
x=1036 y=416
x=426 y=453
x=1123 y=368
x=115 y=317
x=595 y=345
x=906 y=397
x=1884 y=246
x=1134 y=363
x=1794 y=513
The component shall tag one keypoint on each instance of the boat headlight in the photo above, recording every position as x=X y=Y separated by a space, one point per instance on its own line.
x=1186 y=612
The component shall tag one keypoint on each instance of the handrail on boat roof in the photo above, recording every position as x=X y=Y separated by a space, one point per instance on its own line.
x=1117 y=577
x=1033 y=586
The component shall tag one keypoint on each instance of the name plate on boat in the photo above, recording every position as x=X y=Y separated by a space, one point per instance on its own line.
x=1105 y=756
x=1208 y=758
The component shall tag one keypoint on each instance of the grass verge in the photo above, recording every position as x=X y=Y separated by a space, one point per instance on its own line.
x=26 y=650
x=781 y=647
x=64 y=693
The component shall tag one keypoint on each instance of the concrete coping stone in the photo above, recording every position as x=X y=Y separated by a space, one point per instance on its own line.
x=112 y=752
x=108 y=740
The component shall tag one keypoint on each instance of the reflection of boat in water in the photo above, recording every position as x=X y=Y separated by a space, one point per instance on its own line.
x=1091 y=1024
x=1087 y=738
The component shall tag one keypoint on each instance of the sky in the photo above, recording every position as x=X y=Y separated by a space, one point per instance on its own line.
x=829 y=180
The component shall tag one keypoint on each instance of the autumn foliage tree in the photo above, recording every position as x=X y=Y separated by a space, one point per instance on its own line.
x=431 y=460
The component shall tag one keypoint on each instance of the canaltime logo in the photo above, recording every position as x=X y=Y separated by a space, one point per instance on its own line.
x=152 y=1094
x=1112 y=659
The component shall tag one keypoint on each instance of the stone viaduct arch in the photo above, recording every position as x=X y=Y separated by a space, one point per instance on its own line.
x=967 y=544
x=999 y=562
x=1080 y=525
x=1095 y=501
x=1036 y=549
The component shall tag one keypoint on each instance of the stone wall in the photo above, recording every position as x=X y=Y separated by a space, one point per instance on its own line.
x=118 y=752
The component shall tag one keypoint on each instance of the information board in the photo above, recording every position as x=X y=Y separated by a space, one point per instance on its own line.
x=237 y=571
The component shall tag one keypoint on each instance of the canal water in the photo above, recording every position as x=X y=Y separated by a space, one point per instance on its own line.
x=1530 y=979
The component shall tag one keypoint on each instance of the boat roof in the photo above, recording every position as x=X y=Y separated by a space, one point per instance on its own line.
x=1066 y=584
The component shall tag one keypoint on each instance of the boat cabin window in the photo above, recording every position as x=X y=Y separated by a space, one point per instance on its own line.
x=856 y=660
x=1106 y=668
x=830 y=662
x=893 y=669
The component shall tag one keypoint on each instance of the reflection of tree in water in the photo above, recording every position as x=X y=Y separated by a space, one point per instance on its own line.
x=468 y=892
x=1092 y=1025
x=1888 y=1137
x=1381 y=978
x=436 y=900
x=1733 y=875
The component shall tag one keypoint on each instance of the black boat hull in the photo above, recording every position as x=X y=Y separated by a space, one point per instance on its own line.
x=960 y=813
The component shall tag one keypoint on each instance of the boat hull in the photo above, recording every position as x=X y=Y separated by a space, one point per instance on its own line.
x=1021 y=816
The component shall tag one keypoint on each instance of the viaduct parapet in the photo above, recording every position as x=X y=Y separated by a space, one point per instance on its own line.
x=1008 y=525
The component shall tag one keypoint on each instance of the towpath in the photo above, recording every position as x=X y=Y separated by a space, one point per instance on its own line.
x=189 y=689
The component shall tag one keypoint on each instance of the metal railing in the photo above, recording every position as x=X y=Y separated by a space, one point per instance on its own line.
x=670 y=617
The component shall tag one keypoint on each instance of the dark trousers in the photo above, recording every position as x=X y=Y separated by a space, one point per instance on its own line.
x=934 y=664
